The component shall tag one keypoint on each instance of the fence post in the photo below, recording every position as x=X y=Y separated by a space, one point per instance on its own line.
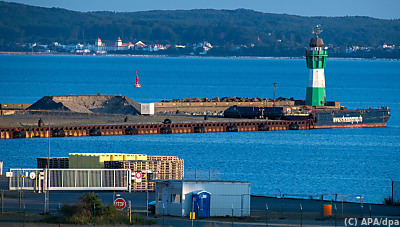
x=232 y=214
x=24 y=214
x=370 y=213
x=147 y=203
x=335 y=215
x=163 y=217
x=342 y=206
x=94 y=214
x=392 y=192
x=19 y=200
x=192 y=215
x=266 y=214
x=2 y=200
x=130 y=212
x=301 y=215
x=282 y=201
x=45 y=202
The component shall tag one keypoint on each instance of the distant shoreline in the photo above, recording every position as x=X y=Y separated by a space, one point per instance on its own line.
x=192 y=56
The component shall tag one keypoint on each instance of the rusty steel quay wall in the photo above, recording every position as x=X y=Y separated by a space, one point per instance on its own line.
x=152 y=128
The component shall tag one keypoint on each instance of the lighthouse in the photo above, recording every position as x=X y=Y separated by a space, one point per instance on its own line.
x=316 y=62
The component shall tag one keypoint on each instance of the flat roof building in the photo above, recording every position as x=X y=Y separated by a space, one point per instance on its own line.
x=180 y=197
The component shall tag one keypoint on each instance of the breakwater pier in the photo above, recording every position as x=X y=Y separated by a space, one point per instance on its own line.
x=166 y=127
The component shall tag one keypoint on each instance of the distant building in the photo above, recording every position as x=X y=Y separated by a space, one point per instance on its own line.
x=140 y=44
x=119 y=45
x=100 y=47
x=204 y=47
x=385 y=46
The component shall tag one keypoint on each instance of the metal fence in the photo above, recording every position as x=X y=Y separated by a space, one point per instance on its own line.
x=70 y=179
x=202 y=174
x=264 y=210
x=396 y=191
x=37 y=203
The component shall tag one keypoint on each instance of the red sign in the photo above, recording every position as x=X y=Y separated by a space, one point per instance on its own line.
x=120 y=203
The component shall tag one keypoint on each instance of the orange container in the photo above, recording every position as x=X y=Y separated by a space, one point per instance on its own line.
x=327 y=210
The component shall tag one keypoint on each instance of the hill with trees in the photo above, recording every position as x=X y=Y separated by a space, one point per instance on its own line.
x=21 y=23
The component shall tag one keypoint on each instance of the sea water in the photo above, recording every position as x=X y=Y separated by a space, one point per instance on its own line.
x=296 y=163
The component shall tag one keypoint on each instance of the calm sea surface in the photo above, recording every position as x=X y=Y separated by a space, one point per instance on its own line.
x=314 y=162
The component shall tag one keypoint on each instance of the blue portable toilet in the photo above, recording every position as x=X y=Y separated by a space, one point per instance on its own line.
x=201 y=202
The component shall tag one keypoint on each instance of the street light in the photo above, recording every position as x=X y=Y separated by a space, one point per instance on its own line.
x=274 y=91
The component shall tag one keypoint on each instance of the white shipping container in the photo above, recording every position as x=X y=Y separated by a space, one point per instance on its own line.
x=147 y=108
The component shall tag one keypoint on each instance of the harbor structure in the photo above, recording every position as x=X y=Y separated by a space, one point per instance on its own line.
x=203 y=198
x=315 y=109
x=143 y=168
x=316 y=62
x=155 y=128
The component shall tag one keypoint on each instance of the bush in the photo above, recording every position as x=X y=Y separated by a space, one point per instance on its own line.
x=389 y=201
x=89 y=204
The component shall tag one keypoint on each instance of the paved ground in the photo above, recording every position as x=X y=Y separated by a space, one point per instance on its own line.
x=30 y=118
x=281 y=212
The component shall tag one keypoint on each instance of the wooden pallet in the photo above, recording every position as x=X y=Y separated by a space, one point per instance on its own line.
x=162 y=158
x=155 y=168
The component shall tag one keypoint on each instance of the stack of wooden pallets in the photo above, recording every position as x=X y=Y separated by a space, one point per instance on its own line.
x=54 y=163
x=154 y=168
x=172 y=168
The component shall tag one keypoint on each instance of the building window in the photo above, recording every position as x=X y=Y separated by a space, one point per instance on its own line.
x=175 y=198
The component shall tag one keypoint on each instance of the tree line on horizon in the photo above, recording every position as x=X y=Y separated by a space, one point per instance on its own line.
x=225 y=29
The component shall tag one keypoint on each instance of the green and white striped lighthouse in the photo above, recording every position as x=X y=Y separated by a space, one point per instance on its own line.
x=316 y=62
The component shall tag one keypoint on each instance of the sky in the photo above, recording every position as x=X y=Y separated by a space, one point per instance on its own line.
x=384 y=9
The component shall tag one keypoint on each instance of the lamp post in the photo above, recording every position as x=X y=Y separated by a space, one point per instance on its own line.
x=47 y=199
x=274 y=91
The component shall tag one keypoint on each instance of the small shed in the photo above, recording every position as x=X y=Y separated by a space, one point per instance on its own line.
x=180 y=197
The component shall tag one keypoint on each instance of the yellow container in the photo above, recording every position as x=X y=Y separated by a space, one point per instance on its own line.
x=141 y=157
x=96 y=160
x=73 y=162
x=327 y=210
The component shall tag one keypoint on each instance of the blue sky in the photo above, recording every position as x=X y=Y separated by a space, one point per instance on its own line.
x=386 y=9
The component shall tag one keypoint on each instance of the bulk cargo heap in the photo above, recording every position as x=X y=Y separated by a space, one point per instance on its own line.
x=315 y=108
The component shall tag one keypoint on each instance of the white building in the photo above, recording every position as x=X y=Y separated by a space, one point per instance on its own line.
x=147 y=108
x=175 y=197
x=100 y=47
x=205 y=46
